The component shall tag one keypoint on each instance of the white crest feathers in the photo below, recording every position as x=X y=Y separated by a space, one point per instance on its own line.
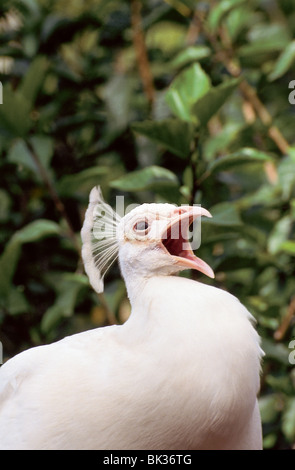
x=99 y=239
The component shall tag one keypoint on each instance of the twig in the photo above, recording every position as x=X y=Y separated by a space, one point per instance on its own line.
x=54 y=195
x=195 y=182
x=274 y=133
x=250 y=94
x=109 y=313
x=282 y=329
x=62 y=211
x=141 y=52
x=180 y=7
x=224 y=53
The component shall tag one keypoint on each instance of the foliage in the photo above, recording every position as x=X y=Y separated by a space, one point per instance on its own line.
x=178 y=101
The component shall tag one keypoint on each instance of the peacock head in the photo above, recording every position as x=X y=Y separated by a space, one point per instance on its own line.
x=152 y=239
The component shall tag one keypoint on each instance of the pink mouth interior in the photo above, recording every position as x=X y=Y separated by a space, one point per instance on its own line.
x=175 y=242
x=177 y=245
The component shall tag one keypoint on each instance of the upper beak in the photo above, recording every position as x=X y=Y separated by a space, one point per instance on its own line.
x=175 y=239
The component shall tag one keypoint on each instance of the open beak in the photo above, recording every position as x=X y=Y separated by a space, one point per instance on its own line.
x=175 y=239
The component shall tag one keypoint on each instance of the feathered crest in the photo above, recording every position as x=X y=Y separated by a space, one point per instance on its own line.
x=99 y=238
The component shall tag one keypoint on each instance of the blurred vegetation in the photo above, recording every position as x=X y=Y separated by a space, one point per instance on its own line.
x=178 y=101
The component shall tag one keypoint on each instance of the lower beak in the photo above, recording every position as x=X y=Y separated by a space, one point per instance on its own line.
x=179 y=247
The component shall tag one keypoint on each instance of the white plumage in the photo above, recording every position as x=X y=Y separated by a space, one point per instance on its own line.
x=182 y=373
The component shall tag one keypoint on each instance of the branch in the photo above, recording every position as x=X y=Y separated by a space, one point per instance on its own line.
x=224 y=53
x=62 y=211
x=282 y=329
x=274 y=133
x=54 y=195
x=141 y=52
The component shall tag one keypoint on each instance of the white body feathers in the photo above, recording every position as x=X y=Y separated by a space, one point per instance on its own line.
x=181 y=373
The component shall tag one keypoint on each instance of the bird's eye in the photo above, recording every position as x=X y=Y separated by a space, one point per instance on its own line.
x=141 y=226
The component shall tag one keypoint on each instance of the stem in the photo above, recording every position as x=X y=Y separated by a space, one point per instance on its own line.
x=62 y=211
x=54 y=195
x=141 y=52
x=195 y=181
x=195 y=149
x=274 y=133
x=282 y=329
x=109 y=314
x=224 y=53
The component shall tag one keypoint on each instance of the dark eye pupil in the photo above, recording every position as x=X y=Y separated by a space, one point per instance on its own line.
x=142 y=225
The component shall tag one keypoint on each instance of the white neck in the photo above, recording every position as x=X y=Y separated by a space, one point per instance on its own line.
x=138 y=268
x=135 y=283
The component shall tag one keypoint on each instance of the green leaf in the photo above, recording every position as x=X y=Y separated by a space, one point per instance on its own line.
x=284 y=62
x=17 y=302
x=286 y=175
x=269 y=440
x=267 y=195
x=190 y=54
x=208 y=104
x=280 y=383
x=5 y=205
x=279 y=234
x=173 y=134
x=238 y=19
x=269 y=407
x=243 y=156
x=8 y=262
x=288 y=420
x=288 y=247
x=14 y=124
x=265 y=38
x=23 y=99
x=21 y=156
x=33 y=80
x=276 y=351
x=215 y=144
x=167 y=36
x=44 y=148
x=53 y=25
x=117 y=93
x=30 y=233
x=36 y=230
x=150 y=178
x=259 y=49
x=189 y=86
x=224 y=214
x=68 y=289
x=218 y=12
x=82 y=181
